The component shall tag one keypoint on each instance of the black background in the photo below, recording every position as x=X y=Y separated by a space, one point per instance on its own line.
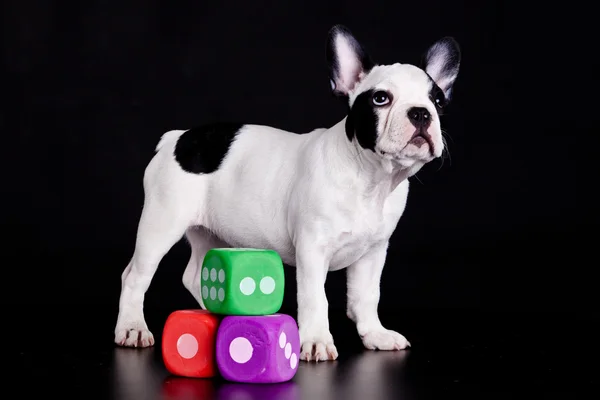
x=503 y=224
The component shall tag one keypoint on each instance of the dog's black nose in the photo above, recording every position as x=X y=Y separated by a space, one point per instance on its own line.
x=419 y=117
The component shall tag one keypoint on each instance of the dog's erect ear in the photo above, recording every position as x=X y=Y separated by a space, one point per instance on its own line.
x=347 y=60
x=442 y=63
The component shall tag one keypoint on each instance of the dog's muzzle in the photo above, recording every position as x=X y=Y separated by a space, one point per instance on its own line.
x=420 y=118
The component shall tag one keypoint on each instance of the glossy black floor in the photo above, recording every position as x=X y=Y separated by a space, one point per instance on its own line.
x=67 y=351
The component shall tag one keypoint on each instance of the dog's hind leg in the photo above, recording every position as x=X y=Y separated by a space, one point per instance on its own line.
x=162 y=224
x=201 y=241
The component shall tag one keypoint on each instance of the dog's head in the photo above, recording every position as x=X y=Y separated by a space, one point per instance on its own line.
x=394 y=109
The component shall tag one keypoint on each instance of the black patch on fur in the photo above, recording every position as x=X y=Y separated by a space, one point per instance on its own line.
x=436 y=95
x=362 y=121
x=332 y=59
x=201 y=150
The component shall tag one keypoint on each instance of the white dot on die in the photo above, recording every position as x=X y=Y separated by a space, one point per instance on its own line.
x=205 y=292
x=221 y=294
x=293 y=361
x=240 y=350
x=213 y=274
x=267 y=285
x=282 y=340
x=288 y=350
x=213 y=293
x=205 y=273
x=247 y=286
x=187 y=346
x=222 y=276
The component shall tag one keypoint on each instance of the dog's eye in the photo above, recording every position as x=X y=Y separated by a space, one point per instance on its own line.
x=439 y=99
x=381 y=98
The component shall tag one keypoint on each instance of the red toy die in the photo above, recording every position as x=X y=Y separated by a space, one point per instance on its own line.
x=188 y=343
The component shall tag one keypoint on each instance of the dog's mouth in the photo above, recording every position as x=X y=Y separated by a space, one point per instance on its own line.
x=420 y=138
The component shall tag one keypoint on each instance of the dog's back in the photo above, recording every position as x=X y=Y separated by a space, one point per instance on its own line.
x=232 y=175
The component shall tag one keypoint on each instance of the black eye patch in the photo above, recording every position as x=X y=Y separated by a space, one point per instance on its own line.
x=362 y=121
x=436 y=95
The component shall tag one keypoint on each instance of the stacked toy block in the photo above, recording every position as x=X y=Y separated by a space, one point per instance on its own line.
x=240 y=335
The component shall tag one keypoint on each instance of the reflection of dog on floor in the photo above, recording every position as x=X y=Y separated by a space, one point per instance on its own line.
x=324 y=200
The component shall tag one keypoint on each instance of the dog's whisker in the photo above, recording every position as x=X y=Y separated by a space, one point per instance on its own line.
x=445 y=133
x=446 y=152
x=418 y=179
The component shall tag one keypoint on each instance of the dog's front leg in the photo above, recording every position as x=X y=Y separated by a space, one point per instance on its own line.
x=313 y=322
x=363 y=278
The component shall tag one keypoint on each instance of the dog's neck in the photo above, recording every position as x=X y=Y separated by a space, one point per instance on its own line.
x=364 y=172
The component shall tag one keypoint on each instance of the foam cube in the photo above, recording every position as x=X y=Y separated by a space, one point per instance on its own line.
x=188 y=343
x=258 y=349
x=242 y=281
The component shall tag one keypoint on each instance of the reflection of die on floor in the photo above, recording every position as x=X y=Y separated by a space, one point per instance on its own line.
x=177 y=388
x=188 y=343
x=249 y=391
x=242 y=281
x=258 y=349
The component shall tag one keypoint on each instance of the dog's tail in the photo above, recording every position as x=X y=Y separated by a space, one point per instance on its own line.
x=168 y=137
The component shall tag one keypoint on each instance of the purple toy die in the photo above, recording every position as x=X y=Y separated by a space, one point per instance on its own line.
x=258 y=349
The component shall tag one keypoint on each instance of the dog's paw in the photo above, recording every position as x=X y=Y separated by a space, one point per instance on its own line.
x=134 y=335
x=318 y=351
x=384 y=339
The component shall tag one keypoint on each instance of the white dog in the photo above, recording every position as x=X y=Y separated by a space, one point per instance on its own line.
x=324 y=200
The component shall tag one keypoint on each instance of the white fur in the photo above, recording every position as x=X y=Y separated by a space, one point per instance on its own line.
x=318 y=199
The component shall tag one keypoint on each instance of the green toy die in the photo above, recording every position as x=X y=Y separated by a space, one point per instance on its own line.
x=242 y=281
